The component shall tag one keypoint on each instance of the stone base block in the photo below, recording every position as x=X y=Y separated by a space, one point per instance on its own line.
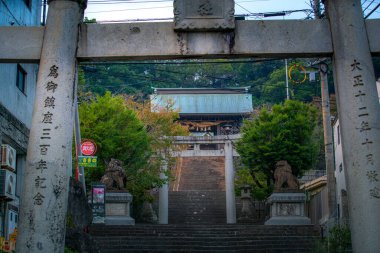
x=288 y=220
x=287 y=209
x=118 y=208
x=119 y=220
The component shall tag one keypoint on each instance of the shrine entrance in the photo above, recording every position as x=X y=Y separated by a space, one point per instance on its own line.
x=196 y=33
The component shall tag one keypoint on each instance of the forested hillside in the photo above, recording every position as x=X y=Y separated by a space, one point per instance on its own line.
x=266 y=78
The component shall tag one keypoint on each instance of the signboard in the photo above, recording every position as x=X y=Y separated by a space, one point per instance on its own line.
x=98 y=202
x=13 y=236
x=88 y=147
x=87 y=161
x=204 y=15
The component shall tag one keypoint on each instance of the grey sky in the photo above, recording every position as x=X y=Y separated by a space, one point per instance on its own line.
x=124 y=10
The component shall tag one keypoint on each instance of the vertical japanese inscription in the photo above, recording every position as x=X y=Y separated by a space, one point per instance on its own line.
x=47 y=120
x=364 y=128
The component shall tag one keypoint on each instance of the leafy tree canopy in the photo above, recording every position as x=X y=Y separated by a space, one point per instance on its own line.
x=119 y=134
x=129 y=131
x=159 y=123
x=284 y=133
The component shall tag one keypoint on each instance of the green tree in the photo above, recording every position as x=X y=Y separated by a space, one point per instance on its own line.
x=159 y=123
x=284 y=133
x=121 y=135
x=89 y=20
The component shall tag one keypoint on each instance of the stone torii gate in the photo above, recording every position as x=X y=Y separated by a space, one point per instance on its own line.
x=227 y=152
x=345 y=36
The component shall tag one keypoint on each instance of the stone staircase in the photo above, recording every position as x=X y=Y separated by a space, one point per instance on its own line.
x=197 y=207
x=205 y=238
x=197 y=195
x=197 y=221
x=199 y=173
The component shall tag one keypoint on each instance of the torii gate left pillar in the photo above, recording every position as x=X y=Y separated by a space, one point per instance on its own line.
x=44 y=199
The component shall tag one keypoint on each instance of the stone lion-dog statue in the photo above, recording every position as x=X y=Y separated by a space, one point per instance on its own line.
x=114 y=177
x=283 y=174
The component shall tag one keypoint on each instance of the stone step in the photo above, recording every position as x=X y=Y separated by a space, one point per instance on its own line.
x=205 y=238
x=183 y=229
x=197 y=207
x=200 y=196
x=200 y=173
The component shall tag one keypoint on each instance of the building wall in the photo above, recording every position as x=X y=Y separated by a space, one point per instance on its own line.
x=339 y=169
x=318 y=206
x=16 y=106
x=341 y=187
x=19 y=13
x=18 y=103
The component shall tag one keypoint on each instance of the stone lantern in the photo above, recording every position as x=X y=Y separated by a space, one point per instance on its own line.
x=246 y=210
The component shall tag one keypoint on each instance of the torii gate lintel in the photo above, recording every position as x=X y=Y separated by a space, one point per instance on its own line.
x=345 y=36
x=152 y=41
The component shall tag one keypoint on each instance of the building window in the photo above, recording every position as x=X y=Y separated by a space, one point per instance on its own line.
x=338 y=133
x=21 y=79
x=28 y=3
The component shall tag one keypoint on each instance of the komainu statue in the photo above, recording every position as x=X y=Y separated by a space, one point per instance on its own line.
x=114 y=177
x=283 y=175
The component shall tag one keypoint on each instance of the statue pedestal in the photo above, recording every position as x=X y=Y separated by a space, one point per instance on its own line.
x=287 y=208
x=118 y=208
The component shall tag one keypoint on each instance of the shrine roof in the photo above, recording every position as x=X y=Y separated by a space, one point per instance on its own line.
x=204 y=101
x=237 y=90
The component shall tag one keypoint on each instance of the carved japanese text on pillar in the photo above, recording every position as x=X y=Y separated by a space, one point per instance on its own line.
x=364 y=128
x=204 y=15
x=46 y=120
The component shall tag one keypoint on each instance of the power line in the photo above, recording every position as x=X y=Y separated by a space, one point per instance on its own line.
x=257 y=15
x=371 y=12
x=180 y=62
x=250 y=14
x=135 y=9
x=368 y=5
x=93 y=2
x=166 y=81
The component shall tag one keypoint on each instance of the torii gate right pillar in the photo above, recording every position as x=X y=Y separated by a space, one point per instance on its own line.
x=359 y=115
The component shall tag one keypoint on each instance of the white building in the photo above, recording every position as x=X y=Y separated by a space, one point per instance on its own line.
x=341 y=189
x=17 y=93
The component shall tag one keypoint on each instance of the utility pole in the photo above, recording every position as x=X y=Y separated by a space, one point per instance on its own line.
x=287 y=79
x=44 y=12
x=317 y=9
x=327 y=131
x=327 y=138
x=79 y=169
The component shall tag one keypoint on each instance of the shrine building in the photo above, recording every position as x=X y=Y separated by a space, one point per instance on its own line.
x=206 y=111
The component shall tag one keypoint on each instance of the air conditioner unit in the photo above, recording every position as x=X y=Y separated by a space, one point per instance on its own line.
x=7 y=184
x=8 y=157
